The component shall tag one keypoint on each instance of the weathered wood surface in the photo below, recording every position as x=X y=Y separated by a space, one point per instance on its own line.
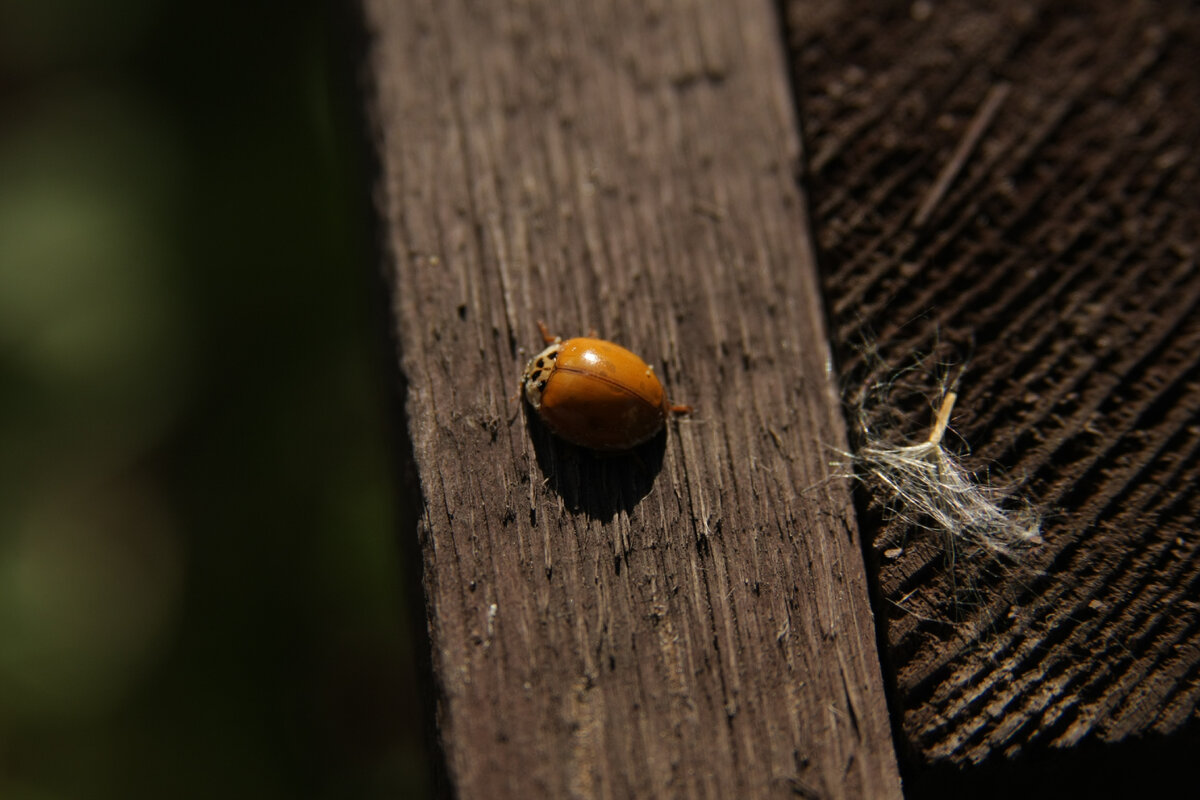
x=691 y=621
x=1018 y=185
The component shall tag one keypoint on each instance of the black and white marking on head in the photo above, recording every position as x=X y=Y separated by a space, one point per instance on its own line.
x=538 y=372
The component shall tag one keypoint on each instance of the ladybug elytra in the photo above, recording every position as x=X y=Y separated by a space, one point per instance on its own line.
x=595 y=393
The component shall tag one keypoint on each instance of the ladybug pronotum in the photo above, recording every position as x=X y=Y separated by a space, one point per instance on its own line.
x=597 y=394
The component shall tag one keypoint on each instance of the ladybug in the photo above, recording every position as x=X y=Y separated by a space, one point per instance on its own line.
x=597 y=394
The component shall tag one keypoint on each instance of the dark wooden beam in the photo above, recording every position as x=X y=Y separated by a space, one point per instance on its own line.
x=1015 y=187
x=691 y=620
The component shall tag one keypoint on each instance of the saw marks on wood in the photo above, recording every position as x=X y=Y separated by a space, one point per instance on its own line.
x=1015 y=187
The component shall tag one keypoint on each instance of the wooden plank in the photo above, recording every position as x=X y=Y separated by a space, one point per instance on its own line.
x=1051 y=236
x=692 y=620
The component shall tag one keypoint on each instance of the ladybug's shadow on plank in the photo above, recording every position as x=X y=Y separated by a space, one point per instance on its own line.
x=597 y=484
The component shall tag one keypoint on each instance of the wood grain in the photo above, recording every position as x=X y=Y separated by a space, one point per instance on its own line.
x=690 y=620
x=1056 y=262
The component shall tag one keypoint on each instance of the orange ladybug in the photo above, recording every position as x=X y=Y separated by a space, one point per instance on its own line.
x=597 y=394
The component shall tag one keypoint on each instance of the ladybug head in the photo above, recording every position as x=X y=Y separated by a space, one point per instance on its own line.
x=538 y=372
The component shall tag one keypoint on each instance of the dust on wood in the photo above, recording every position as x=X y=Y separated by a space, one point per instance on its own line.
x=1060 y=262
x=690 y=620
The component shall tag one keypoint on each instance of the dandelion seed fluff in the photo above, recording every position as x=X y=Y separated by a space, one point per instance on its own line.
x=930 y=488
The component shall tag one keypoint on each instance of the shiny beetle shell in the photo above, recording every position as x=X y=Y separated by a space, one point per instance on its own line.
x=597 y=394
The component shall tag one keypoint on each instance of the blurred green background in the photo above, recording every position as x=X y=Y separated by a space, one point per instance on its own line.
x=200 y=591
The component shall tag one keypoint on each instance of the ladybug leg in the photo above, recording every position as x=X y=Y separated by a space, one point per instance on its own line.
x=679 y=409
x=546 y=337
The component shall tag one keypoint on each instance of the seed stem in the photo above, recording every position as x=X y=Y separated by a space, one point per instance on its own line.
x=943 y=418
